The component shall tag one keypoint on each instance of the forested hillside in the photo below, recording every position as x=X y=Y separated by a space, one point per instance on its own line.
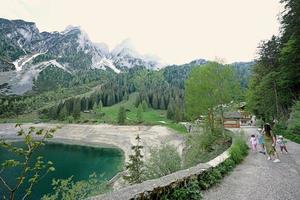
x=275 y=83
x=58 y=94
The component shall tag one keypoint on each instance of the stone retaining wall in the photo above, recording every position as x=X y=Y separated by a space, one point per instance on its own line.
x=152 y=189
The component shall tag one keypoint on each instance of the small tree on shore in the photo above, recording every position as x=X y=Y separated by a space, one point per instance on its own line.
x=121 y=115
x=139 y=114
x=144 y=105
x=135 y=166
x=76 y=109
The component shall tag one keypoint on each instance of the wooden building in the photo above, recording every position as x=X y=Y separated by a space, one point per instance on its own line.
x=232 y=119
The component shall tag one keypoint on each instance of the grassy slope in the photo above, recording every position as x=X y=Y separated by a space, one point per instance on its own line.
x=150 y=116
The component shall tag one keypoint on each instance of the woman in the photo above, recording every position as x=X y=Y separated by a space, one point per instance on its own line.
x=270 y=142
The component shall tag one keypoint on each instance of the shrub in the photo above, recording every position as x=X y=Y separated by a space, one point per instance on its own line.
x=192 y=190
x=199 y=146
x=121 y=115
x=238 y=150
x=294 y=122
x=163 y=161
x=67 y=189
x=279 y=128
x=189 y=191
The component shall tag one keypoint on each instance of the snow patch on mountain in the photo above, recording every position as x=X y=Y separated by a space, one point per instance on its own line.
x=69 y=29
x=83 y=40
x=56 y=64
x=19 y=63
x=104 y=62
x=125 y=48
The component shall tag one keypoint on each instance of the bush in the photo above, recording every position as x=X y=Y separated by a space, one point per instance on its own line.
x=238 y=150
x=163 y=161
x=201 y=146
x=279 y=128
x=190 y=191
x=292 y=137
x=70 y=119
x=294 y=122
x=67 y=189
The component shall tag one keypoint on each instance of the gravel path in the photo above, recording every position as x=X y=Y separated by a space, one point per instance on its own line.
x=256 y=178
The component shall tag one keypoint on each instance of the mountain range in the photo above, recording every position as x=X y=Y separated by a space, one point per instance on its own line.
x=25 y=52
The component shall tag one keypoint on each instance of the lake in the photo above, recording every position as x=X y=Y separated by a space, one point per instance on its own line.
x=69 y=160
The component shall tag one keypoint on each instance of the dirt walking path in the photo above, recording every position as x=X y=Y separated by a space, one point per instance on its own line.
x=259 y=179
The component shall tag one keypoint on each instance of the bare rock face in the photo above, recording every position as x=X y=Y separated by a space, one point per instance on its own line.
x=24 y=48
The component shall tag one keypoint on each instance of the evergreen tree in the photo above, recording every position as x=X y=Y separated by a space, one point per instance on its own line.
x=139 y=114
x=155 y=103
x=100 y=105
x=87 y=101
x=99 y=109
x=178 y=115
x=121 y=115
x=135 y=166
x=162 y=104
x=171 y=109
x=76 y=109
x=63 y=113
x=144 y=106
x=276 y=76
x=95 y=106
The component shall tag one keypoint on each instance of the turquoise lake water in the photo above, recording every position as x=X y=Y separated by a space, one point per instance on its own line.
x=69 y=160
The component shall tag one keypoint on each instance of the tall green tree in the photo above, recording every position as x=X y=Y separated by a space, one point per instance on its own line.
x=121 y=115
x=63 y=113
x=139 y=114
x=209 y=86
x=144 y=105
x=135 y=166
x=76 y=109
x=276 y=76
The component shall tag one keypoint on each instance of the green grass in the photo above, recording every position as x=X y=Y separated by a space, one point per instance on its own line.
x=25 y=118
x=150 y=116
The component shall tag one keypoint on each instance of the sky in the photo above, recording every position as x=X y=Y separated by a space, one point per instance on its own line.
x=176 y=31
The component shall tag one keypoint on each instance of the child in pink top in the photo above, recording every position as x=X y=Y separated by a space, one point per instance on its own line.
x=253 y=142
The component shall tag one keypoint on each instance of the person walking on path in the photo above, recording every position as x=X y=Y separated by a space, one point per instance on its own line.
x=253 y=142
x=261 y=141
x=282 y=144
x=270 y=143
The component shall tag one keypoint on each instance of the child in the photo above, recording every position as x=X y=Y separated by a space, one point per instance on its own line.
x=282 y=143
x=253 y=143
x=261 y=141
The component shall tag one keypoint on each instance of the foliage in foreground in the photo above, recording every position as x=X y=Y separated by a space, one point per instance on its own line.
x=200 y=145
x=67 y=189
x=32 y=171
x=192 y=189
x=294 y=122
x=163 y=161
x=290 y=129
